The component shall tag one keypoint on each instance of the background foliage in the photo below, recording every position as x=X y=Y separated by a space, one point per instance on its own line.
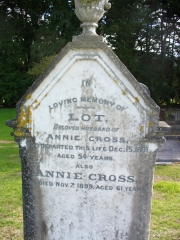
x=145 y=34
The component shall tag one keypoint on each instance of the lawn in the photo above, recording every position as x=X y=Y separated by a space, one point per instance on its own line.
x=6 y=114
x=10 y=177
x=165 y=217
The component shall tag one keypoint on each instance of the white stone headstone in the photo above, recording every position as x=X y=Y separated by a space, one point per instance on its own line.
x=88 y=134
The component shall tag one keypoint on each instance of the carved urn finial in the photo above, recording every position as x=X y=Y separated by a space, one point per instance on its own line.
x=89 y=13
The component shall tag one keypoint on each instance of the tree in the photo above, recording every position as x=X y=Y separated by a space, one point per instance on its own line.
x=57 y=28
x=18 y=23
x=30 y=30
x=145 y=36
x=143 y=33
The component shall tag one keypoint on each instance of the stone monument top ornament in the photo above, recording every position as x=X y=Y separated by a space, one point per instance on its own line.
x=89 y=12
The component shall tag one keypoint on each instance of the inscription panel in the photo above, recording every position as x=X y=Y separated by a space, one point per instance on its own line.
x=90 y=151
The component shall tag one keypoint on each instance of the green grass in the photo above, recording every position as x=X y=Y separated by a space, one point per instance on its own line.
x=10 y=177
x=6 y=114
x=165 y=172
x=165 y=215
x=11 y=196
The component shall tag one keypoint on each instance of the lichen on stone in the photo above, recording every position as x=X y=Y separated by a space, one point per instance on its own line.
x=24 y=117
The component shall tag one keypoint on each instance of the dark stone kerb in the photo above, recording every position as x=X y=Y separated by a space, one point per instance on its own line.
x=157 y=136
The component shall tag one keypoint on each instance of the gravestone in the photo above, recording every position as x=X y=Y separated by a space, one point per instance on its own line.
x=88 y=133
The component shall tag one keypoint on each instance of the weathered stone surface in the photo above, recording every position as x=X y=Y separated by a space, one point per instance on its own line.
x=88 y=134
